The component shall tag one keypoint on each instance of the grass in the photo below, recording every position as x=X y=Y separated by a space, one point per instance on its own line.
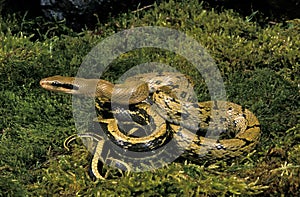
x=260 y=69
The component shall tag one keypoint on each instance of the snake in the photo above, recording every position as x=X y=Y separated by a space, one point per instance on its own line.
x=163 y=103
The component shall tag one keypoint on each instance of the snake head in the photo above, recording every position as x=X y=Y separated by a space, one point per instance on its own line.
x=71 y=85
x=60 y=84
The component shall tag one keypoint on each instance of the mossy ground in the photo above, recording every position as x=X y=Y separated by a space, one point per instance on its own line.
x=260 y=68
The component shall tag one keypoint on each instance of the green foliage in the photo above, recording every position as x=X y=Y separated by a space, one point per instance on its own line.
x=260 y=68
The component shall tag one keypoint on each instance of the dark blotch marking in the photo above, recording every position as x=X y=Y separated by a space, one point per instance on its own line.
x=175 y=86
x=183 y=94
x=158 y=82
x=207 y=119
x=215 y=105
x=195 y=105
x=222 y=119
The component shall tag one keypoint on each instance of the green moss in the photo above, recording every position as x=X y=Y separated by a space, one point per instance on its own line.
x=260 y=68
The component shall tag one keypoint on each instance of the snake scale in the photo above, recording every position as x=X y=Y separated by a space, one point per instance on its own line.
x=162 y=103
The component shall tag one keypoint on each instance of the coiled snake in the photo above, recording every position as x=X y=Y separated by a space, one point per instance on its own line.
x=209 y=131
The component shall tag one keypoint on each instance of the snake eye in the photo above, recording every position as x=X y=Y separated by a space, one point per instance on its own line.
x=55 y=83
x=172 y=99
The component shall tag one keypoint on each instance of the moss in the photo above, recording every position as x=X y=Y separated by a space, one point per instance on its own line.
x=260 y=68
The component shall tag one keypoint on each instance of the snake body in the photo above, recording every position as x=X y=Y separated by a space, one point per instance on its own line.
x=163 y=103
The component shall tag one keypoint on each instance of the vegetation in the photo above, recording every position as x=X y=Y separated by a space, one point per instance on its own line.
x=260 y=68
